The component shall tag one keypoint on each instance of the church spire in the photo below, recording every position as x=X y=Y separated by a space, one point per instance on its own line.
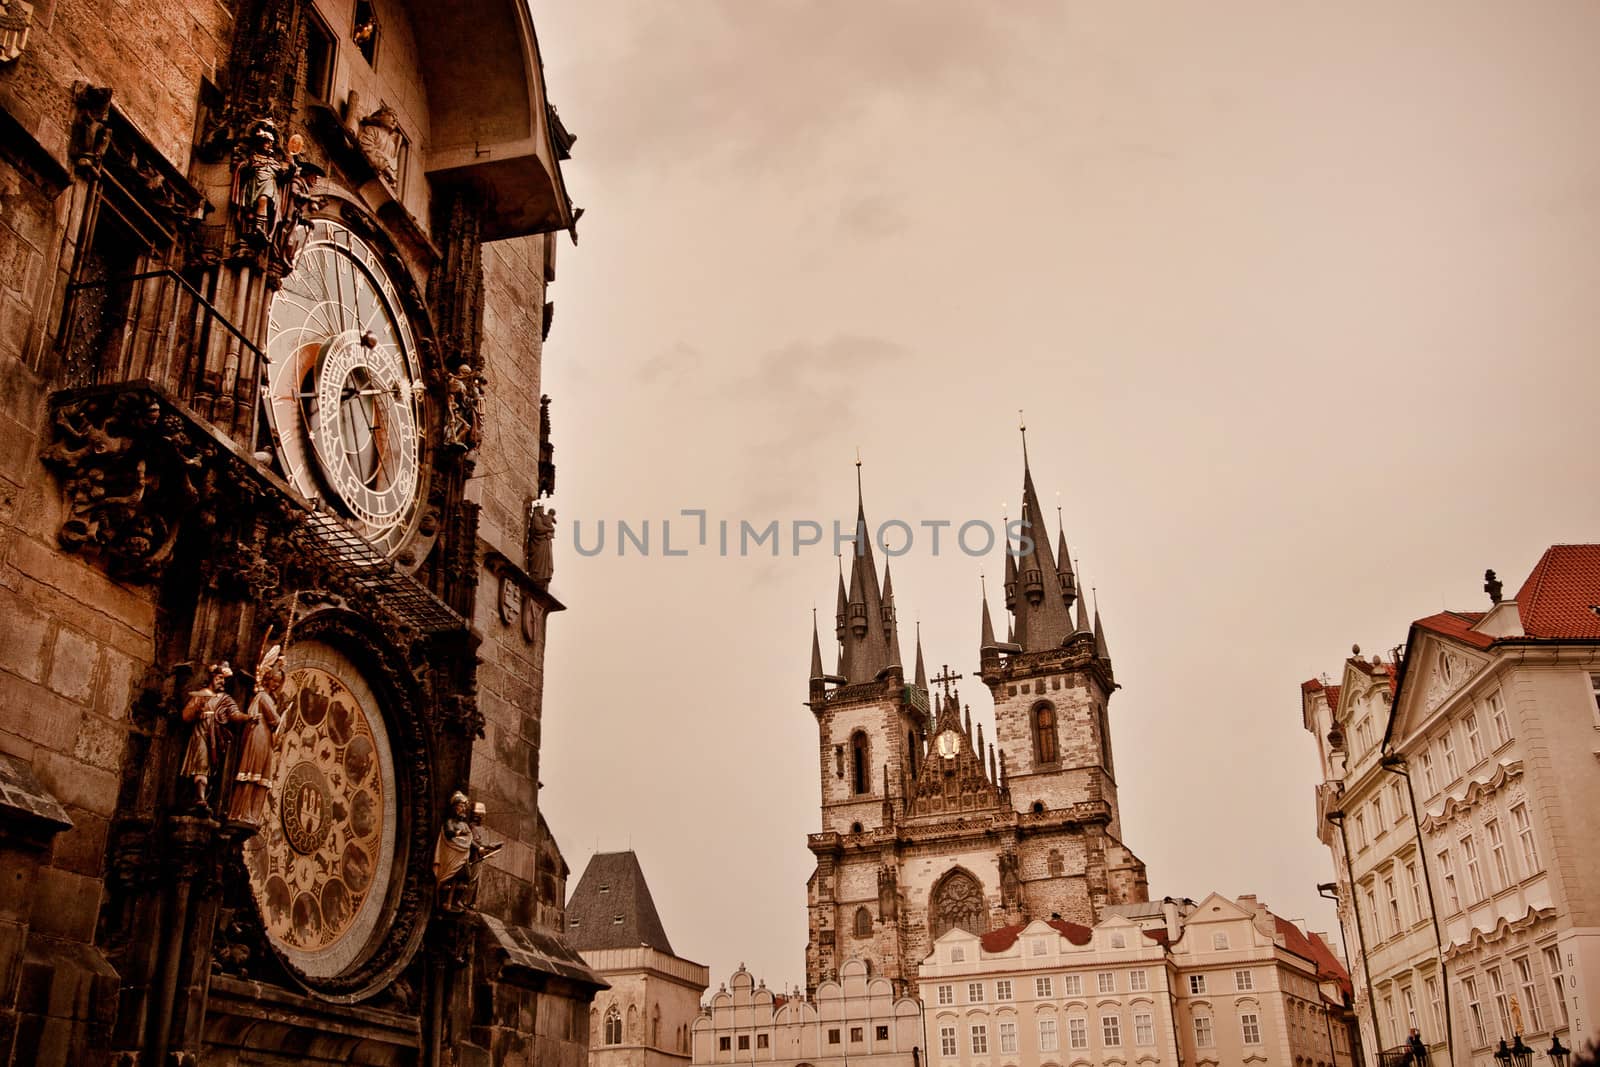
x=921 y=679
x=987 y=638
x=1068 y=580
x=1042 y=619
x=1082 y=626
x=870 y=640
x=891 y=629
x=1099 y=632
x=841 y=621
x=816 y=648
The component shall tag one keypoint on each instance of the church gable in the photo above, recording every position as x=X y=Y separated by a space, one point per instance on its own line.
x=952 y=777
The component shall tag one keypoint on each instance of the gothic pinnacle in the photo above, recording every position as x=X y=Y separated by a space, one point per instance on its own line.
x=816 y=648
x=922 y=672
x=987 y=638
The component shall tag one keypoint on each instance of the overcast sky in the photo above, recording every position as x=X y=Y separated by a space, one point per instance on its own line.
x=1299 y=300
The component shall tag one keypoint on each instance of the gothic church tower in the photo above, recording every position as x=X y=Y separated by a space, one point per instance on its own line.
x=924 y=826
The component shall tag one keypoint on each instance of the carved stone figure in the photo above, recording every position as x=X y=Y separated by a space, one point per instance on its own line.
x=541 y=541
x=1010 y=882
x=380 y=140
x=458 y=853
x=258 y=180
x=91 y=133
x=300 y=200
x=888 y=905
x=16 y=18
x=464 y=402
x=209 y=708
x=253 y=780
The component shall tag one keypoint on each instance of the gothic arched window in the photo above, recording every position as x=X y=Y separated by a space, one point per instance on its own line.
x=958 y=901
x=863 y=922
x=633 y=1025
x=1057 y=868
x=1044 y=735
x=861 y=777
x=613 y=1026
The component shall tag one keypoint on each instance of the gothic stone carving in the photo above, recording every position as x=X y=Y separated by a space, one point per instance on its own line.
x=458 y=854
x=273 y=193
x=380 y=140
x=130 y=471
x=16 y=18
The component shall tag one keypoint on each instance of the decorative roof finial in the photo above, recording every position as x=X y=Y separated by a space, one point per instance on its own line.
x=1493 y=586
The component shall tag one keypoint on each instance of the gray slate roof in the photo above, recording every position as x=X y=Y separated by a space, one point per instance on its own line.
x=612 y=907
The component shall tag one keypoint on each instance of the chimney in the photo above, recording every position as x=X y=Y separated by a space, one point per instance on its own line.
x=1169 y=911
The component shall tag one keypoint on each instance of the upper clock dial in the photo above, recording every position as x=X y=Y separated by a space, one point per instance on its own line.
x=344 y=388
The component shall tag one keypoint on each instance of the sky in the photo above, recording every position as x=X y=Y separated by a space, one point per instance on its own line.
x=1297 y=300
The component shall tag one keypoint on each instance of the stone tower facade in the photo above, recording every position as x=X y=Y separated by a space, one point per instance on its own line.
x=925 y=826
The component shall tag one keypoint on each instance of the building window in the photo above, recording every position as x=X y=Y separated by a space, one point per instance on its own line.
x=1048 y=1041
x=763 y=1040
x=1469 y=990
x=1411 y=1008
x=860 y=765
x=1041 y=988
x=1530 y=999
x=958 y=902
x=1395 y=922
x=1072 y=985
x=864 y=927
x=1044 y=734
x=744 y=1042
x=974 y=992
x=881 y=1033
x=958 y=954
x=1502 y=1001
x=1243 y=981
x=947 y=1042
x=1372 y=910
x=1435 y=1005
x=1107 y=981
x=1558 y=981
x=980 y=1039
x=1144 y=1028
x=1499 y=718
x=1002 y=989
x=1497 y=853
x=1056 y=866
x=364 y=32
x=1364 y=737
x=614 y=1026
x=1197 y=984
x=1219 y=942
x=1469 y=856
x=1039 y=946
x=1378 y=821
x=1111 y=1030
x=1139 y=980
x=833 y=1035
x=947 y=994
x=724 y=1044
x=1361 y=831
x=1008 y=1038
x=616 y=920
x=858 y=1034
x=1447 y=868
x=1415 y=886
x=1447 y=746
x=319 y=57
x=1202 y=1031
x=1397 y=801
x=1425 y=763
x=1250 y=1026
x=1077 y=1032
x=1524 y=828
x=1474 y=739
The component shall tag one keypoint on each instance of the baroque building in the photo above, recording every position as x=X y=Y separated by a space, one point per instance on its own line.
x=273 y=560
x=644 y=1019
x=1167 y=982
x=925 y=826
x=1491 y=733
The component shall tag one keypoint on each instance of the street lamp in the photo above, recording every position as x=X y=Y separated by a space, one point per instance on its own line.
x=1558 y=1053
x=1521 y=1054
x=1503 y=1055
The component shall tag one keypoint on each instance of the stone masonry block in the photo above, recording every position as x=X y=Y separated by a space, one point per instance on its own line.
x=72 y=662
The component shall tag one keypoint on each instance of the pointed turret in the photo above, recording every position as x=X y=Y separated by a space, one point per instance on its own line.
x=1064 y=576
x=978 y=748
x=869 y=622
x=993 y=776
x=922 y=672
x=987 y=638
x=1011 y=575
x=1082 y=625
x=816 y=649
x=1042 y=619
x=841 y=620
x=1100 y=634
x=891 y=629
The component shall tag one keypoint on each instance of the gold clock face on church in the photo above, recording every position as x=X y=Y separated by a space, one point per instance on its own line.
x=324 y=858
x=344 y=390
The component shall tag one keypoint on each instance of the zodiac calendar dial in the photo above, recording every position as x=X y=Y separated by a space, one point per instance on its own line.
x=321 y=864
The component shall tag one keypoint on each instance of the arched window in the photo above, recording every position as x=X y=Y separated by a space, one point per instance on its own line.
x=613 y=1026
x=859 y=755
x=633 y=1024
x=1057 y=868
x=911 y=751
x=1044 y=735
x=863 y=922
x=655 y=1026
x=958 y=901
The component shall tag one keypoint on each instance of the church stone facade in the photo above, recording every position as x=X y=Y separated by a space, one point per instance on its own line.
x=274 y=574
x=925 y=826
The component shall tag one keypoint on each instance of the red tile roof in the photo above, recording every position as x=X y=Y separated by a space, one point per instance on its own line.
x=1558 y=599
x=1314 y=949
x=1333 y=696
x=1006 y=936
x=1458 y=625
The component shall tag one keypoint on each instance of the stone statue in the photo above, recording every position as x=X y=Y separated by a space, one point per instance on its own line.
x=258 y=180
x=888 y=899
x=1010 y=882
x=380 y=140
x=541 y=543
x=209 y=708
x=300 y=201
x=253 y=780
x=464 y=415
x=458 y=853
